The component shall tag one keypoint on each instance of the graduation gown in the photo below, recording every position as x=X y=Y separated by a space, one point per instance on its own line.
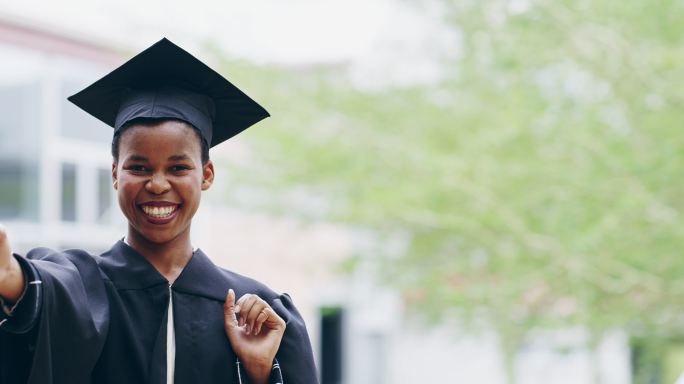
x=102 y=319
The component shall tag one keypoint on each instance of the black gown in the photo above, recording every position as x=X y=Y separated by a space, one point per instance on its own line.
x=102 y=319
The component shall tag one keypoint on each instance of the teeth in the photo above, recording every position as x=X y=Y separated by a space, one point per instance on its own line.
x=158 y=212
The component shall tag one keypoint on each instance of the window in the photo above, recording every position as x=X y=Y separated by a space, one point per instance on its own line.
x=104 y=195
x=20 y=112
x=76 y=124
x=68 y=192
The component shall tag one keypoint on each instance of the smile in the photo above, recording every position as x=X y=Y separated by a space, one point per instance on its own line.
x=159 y=214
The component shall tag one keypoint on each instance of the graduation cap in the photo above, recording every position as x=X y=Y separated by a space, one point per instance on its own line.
x=165 y=81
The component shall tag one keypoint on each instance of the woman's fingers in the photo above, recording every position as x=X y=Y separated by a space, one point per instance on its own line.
x=244 y=306
x=252 y=312
x=264 y=314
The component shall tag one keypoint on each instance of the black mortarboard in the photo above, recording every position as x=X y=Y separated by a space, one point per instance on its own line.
x=165 y=81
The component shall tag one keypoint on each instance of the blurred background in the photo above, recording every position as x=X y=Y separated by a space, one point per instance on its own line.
x=452 y=191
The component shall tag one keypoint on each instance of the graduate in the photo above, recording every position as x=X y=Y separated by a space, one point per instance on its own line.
x=153 y=309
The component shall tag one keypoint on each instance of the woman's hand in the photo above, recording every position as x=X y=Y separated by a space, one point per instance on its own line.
x=5 y=251
x=255 y=332
x=11 y=275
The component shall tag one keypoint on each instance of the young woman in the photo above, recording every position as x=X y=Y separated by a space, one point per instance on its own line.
x=152 y=309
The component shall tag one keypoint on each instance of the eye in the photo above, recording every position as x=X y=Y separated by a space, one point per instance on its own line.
x=180 y=168
x=136 y=168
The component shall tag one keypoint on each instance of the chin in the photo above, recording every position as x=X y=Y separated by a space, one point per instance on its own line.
x=156 y=236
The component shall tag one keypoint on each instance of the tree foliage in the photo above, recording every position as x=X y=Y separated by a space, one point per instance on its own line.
x=540 y=185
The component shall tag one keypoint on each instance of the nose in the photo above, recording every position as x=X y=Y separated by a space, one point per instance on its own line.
x=157 y=184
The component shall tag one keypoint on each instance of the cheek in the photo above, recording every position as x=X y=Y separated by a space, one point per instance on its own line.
x=194 y=193
x=191 y=192
x=127 y=191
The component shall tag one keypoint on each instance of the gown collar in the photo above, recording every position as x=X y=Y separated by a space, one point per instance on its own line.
x=128 y=270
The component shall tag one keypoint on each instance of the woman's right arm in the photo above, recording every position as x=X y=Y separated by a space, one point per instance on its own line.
x=11 y=276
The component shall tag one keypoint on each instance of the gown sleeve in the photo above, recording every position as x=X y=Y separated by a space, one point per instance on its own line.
x=21 y=316
x=275 y=378
x=294 y=360
x=55 y=333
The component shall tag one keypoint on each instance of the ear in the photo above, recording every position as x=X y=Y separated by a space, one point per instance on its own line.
x=207 y=175
x=115 y=176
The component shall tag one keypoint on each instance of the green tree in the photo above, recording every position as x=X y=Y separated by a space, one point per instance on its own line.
x=538 y=187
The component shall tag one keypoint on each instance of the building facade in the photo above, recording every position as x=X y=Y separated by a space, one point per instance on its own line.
x=55 y=183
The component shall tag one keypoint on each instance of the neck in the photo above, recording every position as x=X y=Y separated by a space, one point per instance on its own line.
x=168 y=258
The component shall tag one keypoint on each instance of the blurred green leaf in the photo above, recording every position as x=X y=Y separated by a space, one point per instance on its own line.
x=540 y=185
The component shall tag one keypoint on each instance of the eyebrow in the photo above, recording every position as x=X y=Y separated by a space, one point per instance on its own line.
x=171 y=158
x=137 y=158
x=179 y=158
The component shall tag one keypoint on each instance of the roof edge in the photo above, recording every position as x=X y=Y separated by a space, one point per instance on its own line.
x=25 y=33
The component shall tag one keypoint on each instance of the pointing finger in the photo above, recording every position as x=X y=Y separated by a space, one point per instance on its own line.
x=229 y=310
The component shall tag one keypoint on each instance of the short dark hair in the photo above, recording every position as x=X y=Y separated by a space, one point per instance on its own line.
x=145 y=121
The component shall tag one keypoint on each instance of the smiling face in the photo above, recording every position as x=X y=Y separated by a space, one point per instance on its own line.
x=159 y=178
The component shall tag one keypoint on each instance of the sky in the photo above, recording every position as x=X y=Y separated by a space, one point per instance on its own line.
x=384 y=42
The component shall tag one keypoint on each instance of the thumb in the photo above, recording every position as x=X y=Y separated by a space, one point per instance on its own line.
x=229 y=318
x=5 y=250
